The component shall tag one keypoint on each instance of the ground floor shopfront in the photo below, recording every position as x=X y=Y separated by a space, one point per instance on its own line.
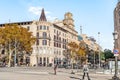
x=46 y=56
x=45 y=60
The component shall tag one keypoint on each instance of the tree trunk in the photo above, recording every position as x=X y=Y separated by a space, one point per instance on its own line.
x=10 y=53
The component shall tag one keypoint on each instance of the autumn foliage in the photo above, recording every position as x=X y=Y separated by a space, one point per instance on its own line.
x=13 y=36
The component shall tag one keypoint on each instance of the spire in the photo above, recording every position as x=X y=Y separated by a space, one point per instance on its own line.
x=42 y=17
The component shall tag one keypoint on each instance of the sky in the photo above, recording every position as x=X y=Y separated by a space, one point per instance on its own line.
x=93 y=15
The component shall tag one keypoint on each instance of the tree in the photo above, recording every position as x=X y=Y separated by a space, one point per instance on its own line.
x=108 y=54
x=82 y=51
x=73 y=49
x=14 y=39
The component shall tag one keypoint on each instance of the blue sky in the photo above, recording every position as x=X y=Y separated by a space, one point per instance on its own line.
x=93 y=15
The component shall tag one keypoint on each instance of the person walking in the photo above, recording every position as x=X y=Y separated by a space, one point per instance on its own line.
x=85 y=71
x=55 y=67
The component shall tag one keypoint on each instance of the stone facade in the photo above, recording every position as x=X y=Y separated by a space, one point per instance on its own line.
x=91 y=42
x=52 y=38
x=117 y=24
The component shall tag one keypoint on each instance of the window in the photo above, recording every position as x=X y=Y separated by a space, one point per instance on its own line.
x=49 y=43
x=44 y=34
x=119 y=13
x=40 y=27
x=44 y=42
x=59 y=38
x=28 y=27
x=44 y=27
x=54 y=44
x=54 y=37
x=40 y=61
x=59 y=45
x=63 y=39
x=119 y=21
x=54 y=31
x=37 y=42
x=47 y=60
x=3 y=52
x=57 y=33
x=37 y=35
x=65 y=47
x=44 y=61
x=47 y=27
x=37 y=27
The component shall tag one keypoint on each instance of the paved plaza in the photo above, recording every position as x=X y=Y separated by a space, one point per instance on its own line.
x=47 y=73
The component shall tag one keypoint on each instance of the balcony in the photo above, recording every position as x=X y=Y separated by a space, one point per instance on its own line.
x=42 y=37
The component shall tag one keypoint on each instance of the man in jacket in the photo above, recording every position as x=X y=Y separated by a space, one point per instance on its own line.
x=85 y=71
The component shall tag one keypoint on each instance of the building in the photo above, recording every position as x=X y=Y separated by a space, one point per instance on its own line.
x=52 y=38
x=91 y=42
x=117 y=24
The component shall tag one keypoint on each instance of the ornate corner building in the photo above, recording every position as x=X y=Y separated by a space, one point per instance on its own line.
x=52 y=39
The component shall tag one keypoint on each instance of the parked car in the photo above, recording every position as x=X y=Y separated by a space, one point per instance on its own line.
x=68 y=66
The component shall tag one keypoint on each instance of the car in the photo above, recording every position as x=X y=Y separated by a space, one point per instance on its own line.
x=68 y=66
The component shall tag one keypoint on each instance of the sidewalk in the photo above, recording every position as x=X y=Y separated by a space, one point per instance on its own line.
x=47 y=74
x=93 y=75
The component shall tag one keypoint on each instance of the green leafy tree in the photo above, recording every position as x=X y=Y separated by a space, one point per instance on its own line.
x=108 y=54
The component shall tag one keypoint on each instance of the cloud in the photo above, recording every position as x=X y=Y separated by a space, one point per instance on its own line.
x=37 y=11
x=51 y=18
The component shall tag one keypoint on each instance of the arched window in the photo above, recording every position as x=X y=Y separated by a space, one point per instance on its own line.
x=44 y=34
x=44 y=42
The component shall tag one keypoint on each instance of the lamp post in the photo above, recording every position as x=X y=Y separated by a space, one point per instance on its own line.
x=115 y=35
x=37 y=56
x=15 y=54
x=99 y=49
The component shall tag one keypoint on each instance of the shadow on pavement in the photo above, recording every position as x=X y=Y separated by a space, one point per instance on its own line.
x=75 y=78
x=52 y=73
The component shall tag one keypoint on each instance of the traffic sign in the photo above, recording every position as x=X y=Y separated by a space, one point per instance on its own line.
x=116 y=52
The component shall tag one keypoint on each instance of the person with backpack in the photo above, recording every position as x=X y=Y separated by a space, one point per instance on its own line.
x=85 y=71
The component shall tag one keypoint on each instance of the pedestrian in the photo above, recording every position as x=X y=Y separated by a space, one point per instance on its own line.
x=55 y=67
x=85 y=71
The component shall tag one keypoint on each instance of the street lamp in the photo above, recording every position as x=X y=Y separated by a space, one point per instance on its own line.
x=15 y=54
x=99 y=49
x=115 y=35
